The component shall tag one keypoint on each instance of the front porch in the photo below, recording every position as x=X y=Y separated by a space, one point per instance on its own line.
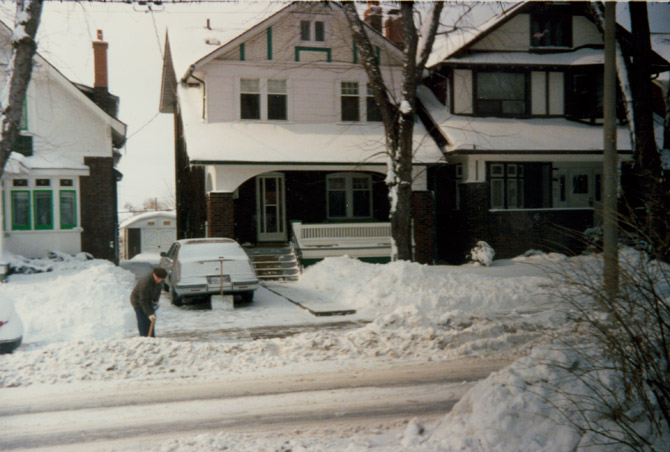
x=322 y=214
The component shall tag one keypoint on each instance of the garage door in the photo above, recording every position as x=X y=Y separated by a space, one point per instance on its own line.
x=157 y=240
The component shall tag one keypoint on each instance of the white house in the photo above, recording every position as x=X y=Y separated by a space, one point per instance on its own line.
x=59 y=186
x=275 y=127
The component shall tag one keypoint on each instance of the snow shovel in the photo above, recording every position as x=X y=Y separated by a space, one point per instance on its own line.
x=221 y=302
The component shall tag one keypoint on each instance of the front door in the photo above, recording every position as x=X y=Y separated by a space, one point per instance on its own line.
x=270 y=209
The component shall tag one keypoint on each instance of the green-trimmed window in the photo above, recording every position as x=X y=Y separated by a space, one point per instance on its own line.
x=20 y=209
x=43 y=206
x=68 y=209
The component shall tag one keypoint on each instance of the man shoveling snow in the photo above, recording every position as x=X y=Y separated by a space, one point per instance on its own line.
x=144 y=299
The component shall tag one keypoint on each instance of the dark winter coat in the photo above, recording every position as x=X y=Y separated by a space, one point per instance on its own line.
x=146 y=294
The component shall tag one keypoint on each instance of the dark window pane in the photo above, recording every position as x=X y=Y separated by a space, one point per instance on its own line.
x=337 y=204
x=67 y=210
x=21 y=210
x=501 y=93
x=276 y=106
x=373 y=111
x=580 y=184
x=304 y=30
x=350 y=108
x=43 y=210
x=361 y=203
x=319 y=32
x=250 y=106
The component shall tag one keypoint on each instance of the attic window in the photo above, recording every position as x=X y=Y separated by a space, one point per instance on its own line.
x=312 y=31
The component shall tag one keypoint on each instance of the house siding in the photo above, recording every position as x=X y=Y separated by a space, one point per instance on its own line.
x=513 y=36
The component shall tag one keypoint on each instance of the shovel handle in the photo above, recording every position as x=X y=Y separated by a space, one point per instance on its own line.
x=151 y=327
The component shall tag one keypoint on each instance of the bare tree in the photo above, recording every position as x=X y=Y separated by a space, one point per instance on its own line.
x=398 y=115
x=19 y=71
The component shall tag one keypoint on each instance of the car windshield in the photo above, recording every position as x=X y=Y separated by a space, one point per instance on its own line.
x=212 y=251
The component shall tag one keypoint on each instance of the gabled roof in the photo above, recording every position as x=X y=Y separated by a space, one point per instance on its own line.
x=455 y=44
x=118 y=128
x=193 y=46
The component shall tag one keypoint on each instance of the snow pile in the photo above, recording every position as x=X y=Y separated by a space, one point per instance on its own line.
x=552 y=391
x=442 y=291
x=75 y=300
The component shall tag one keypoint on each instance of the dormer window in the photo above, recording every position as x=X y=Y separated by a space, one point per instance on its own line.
x=551 y=28
x=312 y=31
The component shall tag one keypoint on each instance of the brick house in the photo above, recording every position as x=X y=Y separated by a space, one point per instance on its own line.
x=518 y=103
x=278 y=140
x=59 y=187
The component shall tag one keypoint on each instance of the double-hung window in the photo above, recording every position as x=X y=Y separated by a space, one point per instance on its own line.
x=500 y=93
x=263 y=99
x=312 y=31
x=372 y=111
x=277 y=100
x=43 y=204
x=349 y=195
x=250 y=98
x=349 y=101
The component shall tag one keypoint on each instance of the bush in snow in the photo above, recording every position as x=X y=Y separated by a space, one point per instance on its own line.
x=23 y=265
x=625 y=350
x=482 y=253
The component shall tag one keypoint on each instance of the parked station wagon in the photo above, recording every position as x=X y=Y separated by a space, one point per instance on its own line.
x=208 y=266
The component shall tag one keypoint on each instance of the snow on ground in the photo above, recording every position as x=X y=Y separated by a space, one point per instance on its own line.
x=79 y=325
x=79 y=328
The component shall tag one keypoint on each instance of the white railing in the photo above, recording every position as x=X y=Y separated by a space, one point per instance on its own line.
x=337 y=239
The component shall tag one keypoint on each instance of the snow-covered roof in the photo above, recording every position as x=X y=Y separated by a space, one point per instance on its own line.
x=468 y=133
x=18 y=164
x=579 y=57
x=147 y=216
x=290 y=143
x=191 y=40
x=449 y=43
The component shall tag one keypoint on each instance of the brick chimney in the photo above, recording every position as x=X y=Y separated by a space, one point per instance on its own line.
x=373 y=16
x=393 y=27
x=100 y=87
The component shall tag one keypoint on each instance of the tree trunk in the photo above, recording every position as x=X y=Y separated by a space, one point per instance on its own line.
x=19 y=70
x=398 y=118
x=28 y=13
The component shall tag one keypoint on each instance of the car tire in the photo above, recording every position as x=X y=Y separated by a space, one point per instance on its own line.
x=247 y=297
x=176 y=299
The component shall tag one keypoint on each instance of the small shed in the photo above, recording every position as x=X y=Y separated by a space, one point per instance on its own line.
x=149 y=232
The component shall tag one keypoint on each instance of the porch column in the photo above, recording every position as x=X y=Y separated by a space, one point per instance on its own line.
x=220 y=215
x=424 y=227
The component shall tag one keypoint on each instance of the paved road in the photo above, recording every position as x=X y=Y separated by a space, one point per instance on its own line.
x=112 y=416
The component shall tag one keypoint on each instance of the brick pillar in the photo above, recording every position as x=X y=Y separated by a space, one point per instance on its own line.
x=98 y=209
x=220 y=215
x=424 y=227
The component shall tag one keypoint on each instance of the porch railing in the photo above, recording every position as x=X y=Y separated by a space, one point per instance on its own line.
x=338 y=239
